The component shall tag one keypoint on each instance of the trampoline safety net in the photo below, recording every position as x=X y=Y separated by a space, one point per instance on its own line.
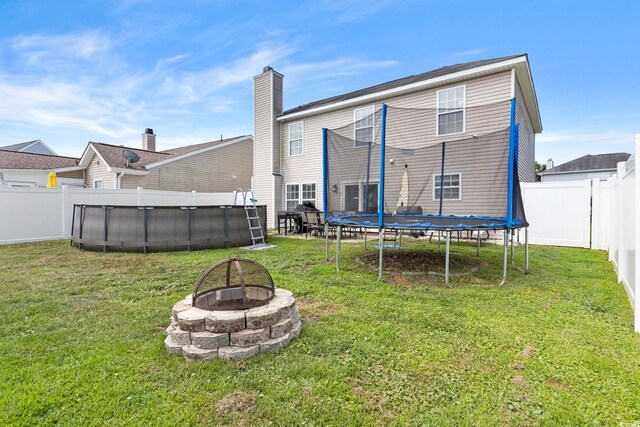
x=476 y=166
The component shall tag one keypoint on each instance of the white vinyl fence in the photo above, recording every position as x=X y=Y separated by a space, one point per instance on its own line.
x=625 y=238
x=37 y=214
x=592 y=214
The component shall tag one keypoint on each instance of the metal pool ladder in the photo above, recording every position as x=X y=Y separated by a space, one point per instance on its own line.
x=253 y=218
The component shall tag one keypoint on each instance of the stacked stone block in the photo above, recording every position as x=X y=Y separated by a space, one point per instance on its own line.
x=235 y=334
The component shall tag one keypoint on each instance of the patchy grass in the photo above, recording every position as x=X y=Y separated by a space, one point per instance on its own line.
x=81 y=340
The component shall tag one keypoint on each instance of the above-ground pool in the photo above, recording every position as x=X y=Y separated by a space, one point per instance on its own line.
x=161 y=228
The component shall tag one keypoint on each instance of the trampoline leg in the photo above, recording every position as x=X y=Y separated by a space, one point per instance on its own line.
x=526 y=250
x=438 y=241
x=513 y=233
x=326 y=242
x=381 y=246
x=504 y=261
x=365 y=238
x=446 y=260
x=478 y=248
x=338 y=236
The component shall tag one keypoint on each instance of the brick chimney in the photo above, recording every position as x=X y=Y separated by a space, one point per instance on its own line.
x=149 y=140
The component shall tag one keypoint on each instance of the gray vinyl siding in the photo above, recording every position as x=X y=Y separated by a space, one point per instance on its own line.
x=277 y=110
x=526 y=139
x=493 y=92
x=211 y=171
x=97 y=169
x=71 y=174
x=265 y=159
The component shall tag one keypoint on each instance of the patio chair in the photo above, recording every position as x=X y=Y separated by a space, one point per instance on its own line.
x=314 y=223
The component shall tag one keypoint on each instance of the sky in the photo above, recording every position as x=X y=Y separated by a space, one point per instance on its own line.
x=78 y=71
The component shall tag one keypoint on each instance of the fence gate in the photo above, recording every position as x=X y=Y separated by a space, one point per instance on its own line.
x=559 y=213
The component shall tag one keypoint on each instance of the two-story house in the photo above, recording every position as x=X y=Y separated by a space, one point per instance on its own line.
x=288 y=145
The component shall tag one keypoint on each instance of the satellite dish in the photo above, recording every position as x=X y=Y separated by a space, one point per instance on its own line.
x=130 y=156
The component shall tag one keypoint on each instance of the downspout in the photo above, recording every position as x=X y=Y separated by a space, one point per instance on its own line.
x=119 y=180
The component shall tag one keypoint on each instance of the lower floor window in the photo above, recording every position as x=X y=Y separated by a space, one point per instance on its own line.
x=450 y=185
x=296 y=194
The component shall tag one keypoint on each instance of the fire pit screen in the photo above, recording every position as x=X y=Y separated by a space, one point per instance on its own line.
x=233 y=284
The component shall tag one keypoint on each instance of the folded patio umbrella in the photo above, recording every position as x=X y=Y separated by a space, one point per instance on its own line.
x=52 y=181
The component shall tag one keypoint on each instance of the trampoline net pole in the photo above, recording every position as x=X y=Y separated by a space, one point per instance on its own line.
x=442 y=179
x=381 y=185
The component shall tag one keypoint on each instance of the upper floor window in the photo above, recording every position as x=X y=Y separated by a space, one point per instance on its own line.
x=98 y=183
x=450 y=187
x=451 y=105
x=295 y=139
x=363 y=126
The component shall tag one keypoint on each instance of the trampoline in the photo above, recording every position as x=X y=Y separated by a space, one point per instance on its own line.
x=425 y=222
x=389 y=166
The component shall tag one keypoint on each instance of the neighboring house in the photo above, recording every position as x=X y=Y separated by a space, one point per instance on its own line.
x=598 y=166
x=23 y=169
x=288 y=144
x=35 y=147
x=215 y=166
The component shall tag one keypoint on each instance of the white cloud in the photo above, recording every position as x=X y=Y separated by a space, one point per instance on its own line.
x=564 y=145
x=347 y=11
x=38 y=49
x=468 y=53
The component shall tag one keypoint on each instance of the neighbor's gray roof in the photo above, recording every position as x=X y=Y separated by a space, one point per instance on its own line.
x=112 y=154
x=400 y=82
x=18 y=147
x=10 y=159
x=590 y=163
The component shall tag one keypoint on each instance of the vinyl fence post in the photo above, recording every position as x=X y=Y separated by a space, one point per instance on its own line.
x=636 y=306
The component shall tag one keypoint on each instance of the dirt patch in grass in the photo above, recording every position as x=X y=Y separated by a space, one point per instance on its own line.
x=528 y=351
x=405 y=267
x=556 y=383
x=236 y=402
x=518 y=366
x=520 y=381
x=314 y=310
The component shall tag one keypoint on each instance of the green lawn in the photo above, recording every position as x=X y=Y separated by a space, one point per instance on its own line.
x=81 y=342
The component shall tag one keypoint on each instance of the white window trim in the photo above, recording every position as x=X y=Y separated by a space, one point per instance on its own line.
x=300 y=199
x=373 y=126
x=98 y=180
x=464 y=110
x=433 y=192
x=301 y=122
x=361 y=186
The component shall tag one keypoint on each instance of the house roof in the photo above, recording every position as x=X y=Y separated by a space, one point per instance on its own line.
x=24 y=147
x=440 y=76
x=112 y=154
x=18 y=147
x=189 y=148
x=10 y=159
x=589 y=163
x=398 y=83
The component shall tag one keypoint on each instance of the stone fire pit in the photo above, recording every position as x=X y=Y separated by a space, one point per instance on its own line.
x=199 y=334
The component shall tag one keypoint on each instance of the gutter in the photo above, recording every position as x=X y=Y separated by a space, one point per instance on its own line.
x=576 y=171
